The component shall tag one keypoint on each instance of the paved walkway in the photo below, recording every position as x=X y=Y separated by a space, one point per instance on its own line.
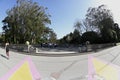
x=74 y=67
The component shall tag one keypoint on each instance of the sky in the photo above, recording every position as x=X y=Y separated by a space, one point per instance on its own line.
x=64 y=13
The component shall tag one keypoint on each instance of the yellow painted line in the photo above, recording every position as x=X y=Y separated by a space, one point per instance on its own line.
x=23 y=73
x=109 y=72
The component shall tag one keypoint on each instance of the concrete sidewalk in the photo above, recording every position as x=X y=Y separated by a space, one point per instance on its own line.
x=73 y=67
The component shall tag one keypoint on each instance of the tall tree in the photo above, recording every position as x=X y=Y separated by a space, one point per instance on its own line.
x=87 y=26
x=78 y=26
x=76 y=37
x=49 y=35
x=117 y=30
x=25 y=21
x=101 y=19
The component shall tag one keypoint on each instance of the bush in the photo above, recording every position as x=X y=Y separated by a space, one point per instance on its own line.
x=90 y=36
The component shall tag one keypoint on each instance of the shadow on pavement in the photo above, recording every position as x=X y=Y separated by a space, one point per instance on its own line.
x=3 y=56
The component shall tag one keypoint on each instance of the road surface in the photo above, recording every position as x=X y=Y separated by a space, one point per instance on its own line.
x=73 y=67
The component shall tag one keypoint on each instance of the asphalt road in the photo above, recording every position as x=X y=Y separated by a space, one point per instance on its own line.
x=74 y=67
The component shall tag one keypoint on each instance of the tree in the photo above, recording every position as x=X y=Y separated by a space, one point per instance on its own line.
x=52 y=37
x=78 y=26
x=107 y=31
x=96 y=15
x=117 y=30
x=66 y=39
x=86 y=26
x=76 y=37
x=25 y=21
x=71 y=38
x=101 y=19
x=90 y=36
x=49 y=36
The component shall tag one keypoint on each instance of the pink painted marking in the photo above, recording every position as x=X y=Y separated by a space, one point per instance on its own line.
x=6 y=77
x=91 y=70
x=35 y=73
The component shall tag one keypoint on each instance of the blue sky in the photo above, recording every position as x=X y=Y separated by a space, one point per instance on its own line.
x=63 y=13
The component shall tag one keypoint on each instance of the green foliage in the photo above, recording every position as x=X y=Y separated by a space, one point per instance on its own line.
x=102 y=20
x=48 y=36
x=72 y=38
x=117 y=30
x=97 y=15
x=98 y=27
x=108 y=35
x=76 y=38
x=25 y=21
x=90 y=36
